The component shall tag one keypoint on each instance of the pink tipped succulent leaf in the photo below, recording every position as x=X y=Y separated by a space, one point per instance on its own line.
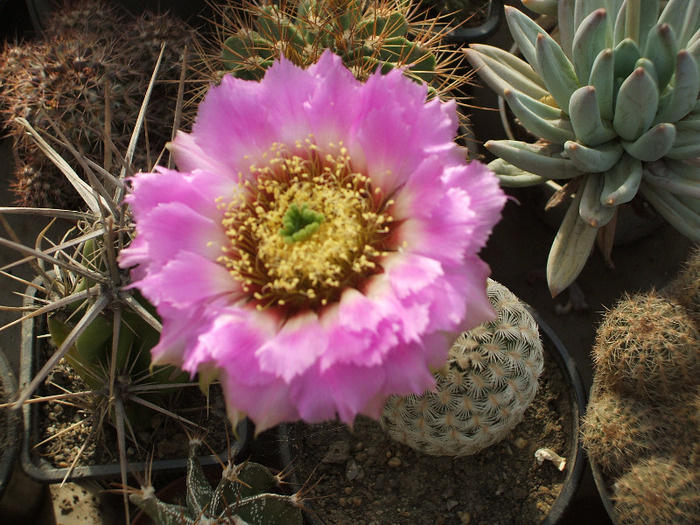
x=320 y=238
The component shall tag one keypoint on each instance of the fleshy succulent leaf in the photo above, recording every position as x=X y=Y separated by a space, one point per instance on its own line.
x=512 y=176
x=626 y=55
x=636 y=105
x=538 y=159
x=602 y=78
x=594 y=160
x=543 y=7
x=590 y=208
x=679 y=213
x=653 y=144
x=681 y=98
x=540 y=119
x=525 y=31
x=661 y=50
x=684 y=15
x=675 y=176
x=622 y=181
x=590 y=38
x=584 y=113
x=556 y=70
x=570 y=250
x=501 y=71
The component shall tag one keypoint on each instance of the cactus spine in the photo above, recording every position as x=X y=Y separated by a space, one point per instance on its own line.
x=246 y=494
x=648 y=347
x=643 y=419
x=367 y=35
x=87 y=74
x=482 y=392
x=658 y=491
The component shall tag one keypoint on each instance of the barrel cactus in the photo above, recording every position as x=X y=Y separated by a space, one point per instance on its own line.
x=367 y=35
x=83 y=77
x=247 y=494
x=615 y=112
x=482 y=392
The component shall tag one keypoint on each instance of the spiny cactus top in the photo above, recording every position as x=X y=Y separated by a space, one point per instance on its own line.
x=319 y=237
x=615 y=108
x=247 y=494
x=482 y=392
x=367 y=35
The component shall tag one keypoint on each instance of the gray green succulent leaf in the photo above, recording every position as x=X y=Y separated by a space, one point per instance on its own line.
x=613 y=100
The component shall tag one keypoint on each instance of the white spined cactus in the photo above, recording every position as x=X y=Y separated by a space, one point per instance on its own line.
x=615 y=107
x=482 y=392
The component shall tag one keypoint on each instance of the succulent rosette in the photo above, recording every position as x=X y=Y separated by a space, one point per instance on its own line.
x=319 y=239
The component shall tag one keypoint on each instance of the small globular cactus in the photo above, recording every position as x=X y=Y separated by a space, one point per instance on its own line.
x=88 y=79
x=648 y=347
x=617 y=431
x=482 y=392
x=247 y=494
x=658 y=491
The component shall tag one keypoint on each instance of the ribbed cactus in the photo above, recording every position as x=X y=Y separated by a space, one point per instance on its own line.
x=247 y=494
x=367 y=35
x=482 y=392
x=648 y=347
x=614 y=109
x=88 y=74
x=658 y=491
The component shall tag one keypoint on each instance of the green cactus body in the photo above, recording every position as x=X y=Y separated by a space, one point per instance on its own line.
x=658 y=491
x=648 y=347
x=91 y=355
x=366 y=35
x=616 y=103
x=482 y=392
x=247 y=494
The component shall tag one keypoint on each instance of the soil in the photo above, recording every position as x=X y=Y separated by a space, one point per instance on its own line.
x=363 y=477
x=164 y=438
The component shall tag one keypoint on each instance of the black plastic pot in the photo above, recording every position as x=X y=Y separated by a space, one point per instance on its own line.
x=576 y=461
x=463 y=36
x=577 y=398
x=9 y=436
x=40 y=469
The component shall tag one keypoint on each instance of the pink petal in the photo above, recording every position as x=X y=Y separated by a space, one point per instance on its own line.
x=188 y=280
x=298 y=344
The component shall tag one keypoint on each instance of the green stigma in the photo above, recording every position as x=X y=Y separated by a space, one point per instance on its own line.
x=300 y=223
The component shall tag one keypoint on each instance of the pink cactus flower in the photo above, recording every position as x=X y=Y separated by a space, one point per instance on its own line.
x=317 y=244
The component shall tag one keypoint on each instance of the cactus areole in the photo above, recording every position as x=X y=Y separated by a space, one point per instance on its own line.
x=615 y=107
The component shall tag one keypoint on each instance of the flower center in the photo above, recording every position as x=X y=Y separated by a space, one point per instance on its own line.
x=304 y=227
x=299 y=223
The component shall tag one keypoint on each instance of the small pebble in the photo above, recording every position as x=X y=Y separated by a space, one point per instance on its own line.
x=465 y=518
x=451 y=504
x=521 y=443
x=394 y=462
